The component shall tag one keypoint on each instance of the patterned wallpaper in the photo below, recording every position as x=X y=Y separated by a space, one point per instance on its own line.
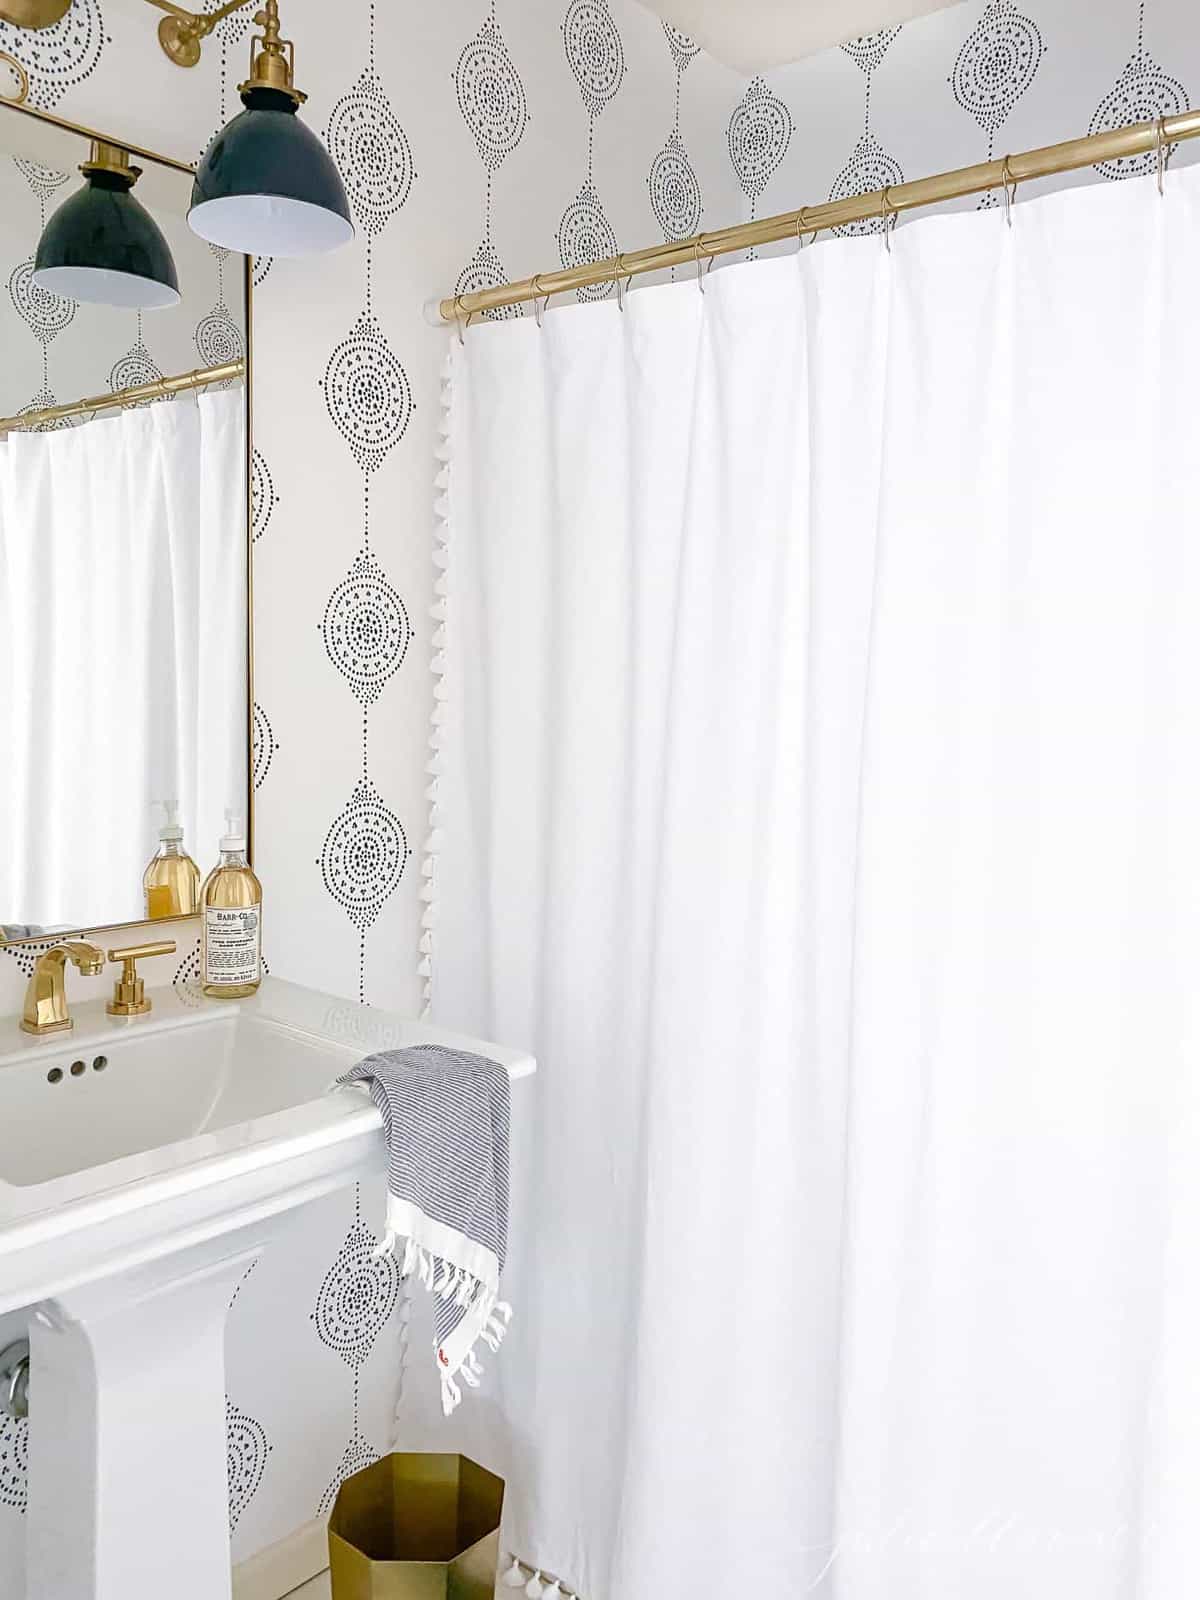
x=489 y=139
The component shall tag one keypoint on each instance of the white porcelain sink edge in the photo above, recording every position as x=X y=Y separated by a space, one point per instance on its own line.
x=147 y=1203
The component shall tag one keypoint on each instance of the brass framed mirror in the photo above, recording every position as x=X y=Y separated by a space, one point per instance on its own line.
x=126 y=524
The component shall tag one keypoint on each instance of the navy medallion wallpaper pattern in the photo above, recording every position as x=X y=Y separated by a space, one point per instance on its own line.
x=870 y=166
x=674 y=188
x=491 y=100
x=597 y=61
x=366 y=627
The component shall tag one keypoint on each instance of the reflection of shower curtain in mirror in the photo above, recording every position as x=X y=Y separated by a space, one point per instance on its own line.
x=123 y=610
x=818 y=795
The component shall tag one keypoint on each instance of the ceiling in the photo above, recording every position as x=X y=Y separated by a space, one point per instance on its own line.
x=754 y=34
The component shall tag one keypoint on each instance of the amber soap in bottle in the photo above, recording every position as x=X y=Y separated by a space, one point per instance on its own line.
x=231 y=922
x=171 y=881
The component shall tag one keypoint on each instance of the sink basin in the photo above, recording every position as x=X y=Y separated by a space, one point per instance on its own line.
x=155 y=1158
x=161 y=1093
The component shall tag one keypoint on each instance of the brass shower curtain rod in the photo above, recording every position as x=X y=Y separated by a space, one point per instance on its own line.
x=1139 y=139
x=199 y=379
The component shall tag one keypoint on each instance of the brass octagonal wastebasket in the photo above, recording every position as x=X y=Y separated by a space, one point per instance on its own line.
x=416 y=1527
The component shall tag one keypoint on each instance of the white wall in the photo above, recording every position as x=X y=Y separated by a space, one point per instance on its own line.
x=342 y=873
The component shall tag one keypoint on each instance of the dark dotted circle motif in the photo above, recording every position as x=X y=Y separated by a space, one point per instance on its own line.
x=367 y=394
x=263 y=498
x=684 y=49
x=485 y=270
x=135 y=366
x=870 y=167
x=364 y=856
x=357 y=1455
x=186 y=982
x=674 y=191
x=357 y=1296
x=594 y=52
x=372 y=153
x=585 y=236
x=366 y=629
x=263 y=746
x=759 y=133
x=491 y=96
x=46 y=314
x=218 y=337
x=1143 y=93
x=42 y=401
x=44 y=181
x=997 y=63
x=14 y=1462
x=246 y=1450
x=59 y=57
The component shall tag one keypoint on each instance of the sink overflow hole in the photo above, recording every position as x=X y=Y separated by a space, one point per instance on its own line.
x=78 y=1068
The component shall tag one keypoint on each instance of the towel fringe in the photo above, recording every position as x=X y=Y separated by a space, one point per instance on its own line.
x=451 y=1396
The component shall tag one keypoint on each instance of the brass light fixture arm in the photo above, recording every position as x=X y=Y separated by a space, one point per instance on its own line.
x=180 y=32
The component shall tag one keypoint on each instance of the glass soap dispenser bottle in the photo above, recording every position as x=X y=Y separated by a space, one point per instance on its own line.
x=171 y=881
x=231 y=921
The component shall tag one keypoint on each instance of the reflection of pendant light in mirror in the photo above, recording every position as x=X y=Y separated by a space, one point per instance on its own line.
x=267 y=185
x=102 y=245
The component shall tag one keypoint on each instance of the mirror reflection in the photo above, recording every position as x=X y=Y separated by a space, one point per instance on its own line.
x=123 y=536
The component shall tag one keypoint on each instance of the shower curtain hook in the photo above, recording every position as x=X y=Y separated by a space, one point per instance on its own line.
x=458 y=318
x=1010 y=190
x=621 y=286
x=1160 y=152
x=802 y=227
x=699 y=270
x=888 y=213
x=538 y=307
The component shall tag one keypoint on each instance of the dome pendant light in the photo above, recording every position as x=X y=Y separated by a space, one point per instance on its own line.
x=267 y=185
x=102 y=246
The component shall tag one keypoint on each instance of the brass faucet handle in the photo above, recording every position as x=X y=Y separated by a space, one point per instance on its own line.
x=129 y=991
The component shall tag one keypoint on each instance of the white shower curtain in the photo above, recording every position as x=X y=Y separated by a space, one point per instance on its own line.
x=818 y=795
x=123 y=610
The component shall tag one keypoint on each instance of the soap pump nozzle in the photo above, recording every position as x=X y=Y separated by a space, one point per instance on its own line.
x=171 y=832
x=233 y=840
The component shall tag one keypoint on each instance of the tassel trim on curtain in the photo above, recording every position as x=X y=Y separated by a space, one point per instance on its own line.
x=434 y=764
x=539 y=1585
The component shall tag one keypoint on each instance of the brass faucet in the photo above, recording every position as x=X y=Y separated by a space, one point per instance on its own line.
x=46 y=996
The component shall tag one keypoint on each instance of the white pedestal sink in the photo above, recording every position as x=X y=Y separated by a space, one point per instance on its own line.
x=135 y=1189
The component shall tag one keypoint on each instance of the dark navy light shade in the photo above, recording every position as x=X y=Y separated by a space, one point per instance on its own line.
x=267 y=185
x=102 y=246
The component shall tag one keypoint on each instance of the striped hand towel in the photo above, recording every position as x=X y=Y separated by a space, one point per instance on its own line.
x=445 y=1116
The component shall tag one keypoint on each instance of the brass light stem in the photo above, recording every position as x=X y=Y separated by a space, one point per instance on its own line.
x=1139 y=139
x=112 y=158
x=199 y=379
x=272 y=58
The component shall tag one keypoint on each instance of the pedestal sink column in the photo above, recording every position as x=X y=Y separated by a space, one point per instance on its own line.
x=128 y=1497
